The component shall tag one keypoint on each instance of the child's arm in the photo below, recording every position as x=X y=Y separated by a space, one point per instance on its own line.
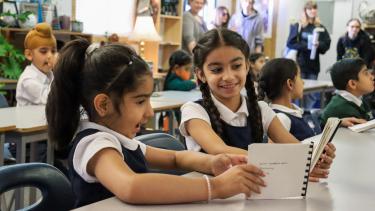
x=109 y=168
x=278 y=133
x=34 y=92
x=207 y=138
x=194 y=161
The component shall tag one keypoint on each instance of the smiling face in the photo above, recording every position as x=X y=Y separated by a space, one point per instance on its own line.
x=42 y=57
x=225 y=70
x=135 y=110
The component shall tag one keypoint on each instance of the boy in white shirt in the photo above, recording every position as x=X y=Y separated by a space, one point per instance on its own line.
x=34 y=83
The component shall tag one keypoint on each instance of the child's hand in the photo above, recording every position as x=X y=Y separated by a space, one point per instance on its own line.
x=350 y=121
x=321 y=168
x=222 y=162
x=244 y=178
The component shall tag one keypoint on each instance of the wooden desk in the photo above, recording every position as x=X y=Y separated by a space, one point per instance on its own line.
x=350 y=186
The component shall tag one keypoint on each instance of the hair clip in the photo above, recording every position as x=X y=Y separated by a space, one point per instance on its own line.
x=91 y=49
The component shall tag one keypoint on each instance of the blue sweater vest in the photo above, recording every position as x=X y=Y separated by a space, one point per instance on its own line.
x=239 y=137
x=298 y=128
x=87 y=193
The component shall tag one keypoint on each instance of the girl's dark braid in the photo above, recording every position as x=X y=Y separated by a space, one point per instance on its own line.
x=254 y=111
x=212 y=111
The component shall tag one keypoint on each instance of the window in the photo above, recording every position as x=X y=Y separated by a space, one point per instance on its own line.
x=112 y=16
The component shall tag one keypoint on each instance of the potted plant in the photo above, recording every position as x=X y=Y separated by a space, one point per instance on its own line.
x=11 y=60
x=26 y=20
x=8 y=19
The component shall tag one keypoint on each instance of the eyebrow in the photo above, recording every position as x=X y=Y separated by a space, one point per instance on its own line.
x=231 y=61
x=142 y=95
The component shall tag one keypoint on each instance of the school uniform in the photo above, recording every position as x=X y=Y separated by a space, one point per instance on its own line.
x=88 y=141
x=292 y=120
x=232 y=121
x=345 y=104
x=173 y=82
x=33 y=87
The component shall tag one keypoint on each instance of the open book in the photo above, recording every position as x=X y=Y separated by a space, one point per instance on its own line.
x=321 y=140
x=364 y=126
x=287 y=166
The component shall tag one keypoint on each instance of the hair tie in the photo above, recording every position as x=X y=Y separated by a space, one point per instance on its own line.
x=91 y=49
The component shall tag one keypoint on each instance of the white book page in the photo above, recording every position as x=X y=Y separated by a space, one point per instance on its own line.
x=364 y=126
x=285 y=167
x=326 y=135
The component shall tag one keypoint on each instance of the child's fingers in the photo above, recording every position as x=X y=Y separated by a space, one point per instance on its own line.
x=251 y=186
x=319 y=172
x=237 y=159
x=254 y=179
x=252 y=169
x=313 y=179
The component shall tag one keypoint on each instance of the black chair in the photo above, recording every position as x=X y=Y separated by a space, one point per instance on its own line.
x=55 y=187
x=163 y=141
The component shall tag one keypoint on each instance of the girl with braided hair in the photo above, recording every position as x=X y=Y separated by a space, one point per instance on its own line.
x=224 y=121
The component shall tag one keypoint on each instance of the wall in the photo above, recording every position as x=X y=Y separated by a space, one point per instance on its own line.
x=291 y=9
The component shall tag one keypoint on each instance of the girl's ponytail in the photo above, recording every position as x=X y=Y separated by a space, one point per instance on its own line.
x=63 y=104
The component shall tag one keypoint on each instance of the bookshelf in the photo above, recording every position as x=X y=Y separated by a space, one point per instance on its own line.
x=16 y=36
x=170 y=29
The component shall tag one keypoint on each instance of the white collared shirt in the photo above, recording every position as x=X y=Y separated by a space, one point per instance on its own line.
x=284 y=119
x=350 y=97
x=191 y=110
x=33 y=87
x=90 y=145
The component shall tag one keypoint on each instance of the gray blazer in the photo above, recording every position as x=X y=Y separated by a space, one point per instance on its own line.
x=192 y=30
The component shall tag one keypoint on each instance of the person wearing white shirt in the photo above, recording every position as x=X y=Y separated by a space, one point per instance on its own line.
x=34 y=83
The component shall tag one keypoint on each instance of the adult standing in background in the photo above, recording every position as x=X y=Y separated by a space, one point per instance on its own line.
x=193 y=25
x=249 y=24
x=221 y=20
x=300 y=39
x=355 y=43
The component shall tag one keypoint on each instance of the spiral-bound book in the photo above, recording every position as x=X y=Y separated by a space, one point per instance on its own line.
x=286 y=166
x=322 y=139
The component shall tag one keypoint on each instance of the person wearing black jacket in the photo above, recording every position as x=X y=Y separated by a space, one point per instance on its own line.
x=299 y=36
x=355 y=43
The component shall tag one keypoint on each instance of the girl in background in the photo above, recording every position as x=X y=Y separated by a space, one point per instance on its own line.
x=300 y=39
x=179 y=73
x=113 y=85
x=257 y=60
x=281 y=83
x=222 y=18
x=225 y=121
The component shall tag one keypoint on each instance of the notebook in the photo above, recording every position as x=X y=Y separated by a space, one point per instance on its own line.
x=286 y=167
x=364 y=126
x=321 y=140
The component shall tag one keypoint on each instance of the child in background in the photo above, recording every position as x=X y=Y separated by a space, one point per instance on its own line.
x=34 y=83
x=114 y=86
x=179 y=73
x=352 y=80
x=225 y=121
x=257 y=60
x=281 y=83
